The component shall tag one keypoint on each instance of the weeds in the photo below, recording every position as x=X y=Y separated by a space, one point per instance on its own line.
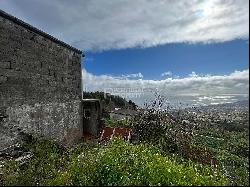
x=183 y=149
x=116 y=163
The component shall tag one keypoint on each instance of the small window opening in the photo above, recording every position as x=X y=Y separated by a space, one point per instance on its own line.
x=87 y=113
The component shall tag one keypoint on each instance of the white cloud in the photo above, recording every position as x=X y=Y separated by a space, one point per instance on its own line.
x=193 y=74
x=194 y=89
x=115 y=24
x=217 y=99
x=167 y=74
x=135 y=75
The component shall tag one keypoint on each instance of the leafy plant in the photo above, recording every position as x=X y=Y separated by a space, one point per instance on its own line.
x=114 y=163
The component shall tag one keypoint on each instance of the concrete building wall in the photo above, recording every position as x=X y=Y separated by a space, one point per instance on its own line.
x=40 y=82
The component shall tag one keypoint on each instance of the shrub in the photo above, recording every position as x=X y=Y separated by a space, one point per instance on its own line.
x=120 y=163
x=48 y=158
x=116 y=163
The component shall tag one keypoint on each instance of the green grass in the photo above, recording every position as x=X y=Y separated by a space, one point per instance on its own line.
x=116 y=163
x=116 y=123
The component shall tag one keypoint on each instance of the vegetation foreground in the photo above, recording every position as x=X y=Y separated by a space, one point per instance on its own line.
x=116 y=163
x=190 y=148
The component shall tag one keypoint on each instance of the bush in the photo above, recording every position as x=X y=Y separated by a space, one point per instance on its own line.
x=116 y=123
x=117 y=163
x=49 y=157
x=200 y=136
x=120 y=163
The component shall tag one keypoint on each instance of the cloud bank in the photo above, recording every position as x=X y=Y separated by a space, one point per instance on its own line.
x=195 y=90
x=115 y=24
x=167 y=74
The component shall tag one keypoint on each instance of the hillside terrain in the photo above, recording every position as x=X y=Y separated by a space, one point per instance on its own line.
x=110 y=102
x=187 y=147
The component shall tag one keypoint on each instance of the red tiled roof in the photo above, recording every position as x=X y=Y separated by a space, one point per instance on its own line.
x=109 y=132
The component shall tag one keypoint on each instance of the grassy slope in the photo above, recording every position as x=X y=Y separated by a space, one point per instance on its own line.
x=117 y=163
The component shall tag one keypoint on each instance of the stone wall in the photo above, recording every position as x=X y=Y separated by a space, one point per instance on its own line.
x=40 y=81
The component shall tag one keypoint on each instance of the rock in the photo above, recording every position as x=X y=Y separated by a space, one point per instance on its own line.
x=24 y=158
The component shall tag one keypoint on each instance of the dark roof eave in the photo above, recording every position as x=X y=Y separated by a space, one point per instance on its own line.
x=31 y=28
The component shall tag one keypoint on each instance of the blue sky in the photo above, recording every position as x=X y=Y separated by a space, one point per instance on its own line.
x=192 y=51
x=180 y=59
